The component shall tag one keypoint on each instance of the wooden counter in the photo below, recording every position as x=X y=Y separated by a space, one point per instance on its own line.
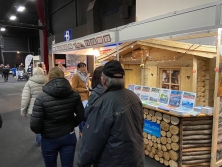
x=184 y=141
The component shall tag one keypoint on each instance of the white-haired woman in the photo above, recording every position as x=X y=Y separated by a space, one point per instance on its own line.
x=30 y=91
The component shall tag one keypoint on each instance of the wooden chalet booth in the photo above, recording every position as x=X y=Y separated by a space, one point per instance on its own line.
x=184 y=140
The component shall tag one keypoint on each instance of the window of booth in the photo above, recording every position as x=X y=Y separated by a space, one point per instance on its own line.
x=170 y=79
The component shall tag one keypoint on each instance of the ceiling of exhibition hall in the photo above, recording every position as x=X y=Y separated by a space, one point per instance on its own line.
x=28 y=16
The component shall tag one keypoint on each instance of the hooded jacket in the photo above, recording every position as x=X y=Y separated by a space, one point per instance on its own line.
x=95 y=93
x=112 y=135
x=57 y=111
x=31 y=90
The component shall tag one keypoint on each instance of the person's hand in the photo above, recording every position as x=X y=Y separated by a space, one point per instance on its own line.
x=26 y=116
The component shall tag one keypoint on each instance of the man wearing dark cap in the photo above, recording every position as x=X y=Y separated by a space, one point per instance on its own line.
x=112 y=135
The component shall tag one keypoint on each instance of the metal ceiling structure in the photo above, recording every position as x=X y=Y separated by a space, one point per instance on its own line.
x=26 y=22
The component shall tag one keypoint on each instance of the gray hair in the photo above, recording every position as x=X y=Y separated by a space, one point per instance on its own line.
x=116 y=82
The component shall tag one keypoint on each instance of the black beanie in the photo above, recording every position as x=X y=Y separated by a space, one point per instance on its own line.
x=113 y=67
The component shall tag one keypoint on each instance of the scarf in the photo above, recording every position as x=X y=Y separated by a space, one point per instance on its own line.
x=84 y=77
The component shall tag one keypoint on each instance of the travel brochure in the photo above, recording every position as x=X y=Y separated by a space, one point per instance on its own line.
x=174 y=101
x=137 y=90
x=145 y=93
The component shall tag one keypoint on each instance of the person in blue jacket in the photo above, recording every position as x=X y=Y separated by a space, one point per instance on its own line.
x=96 y=91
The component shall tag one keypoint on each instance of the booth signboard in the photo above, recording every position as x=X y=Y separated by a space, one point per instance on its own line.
x=81 y=43
x=152 y=128
x=67 y=35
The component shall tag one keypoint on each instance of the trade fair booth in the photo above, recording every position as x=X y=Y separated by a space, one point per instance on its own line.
x=172 y=79
x=171 y=137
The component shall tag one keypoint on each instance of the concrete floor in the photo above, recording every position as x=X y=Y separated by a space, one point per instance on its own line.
x=17 y=141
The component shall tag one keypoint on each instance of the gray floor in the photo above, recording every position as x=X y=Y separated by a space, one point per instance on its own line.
x=17 y=142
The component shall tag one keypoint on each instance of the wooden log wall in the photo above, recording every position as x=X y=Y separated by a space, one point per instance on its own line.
x=210 y=92
x=219 y=138
x=184 y=142
x=165 y=149
x=196 y=135
x=202 y=83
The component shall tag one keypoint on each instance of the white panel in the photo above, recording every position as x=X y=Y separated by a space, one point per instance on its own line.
x=221 y=14
x=195 y=19
x=149 y=8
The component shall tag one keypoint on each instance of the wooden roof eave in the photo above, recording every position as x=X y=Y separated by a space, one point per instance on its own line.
x=196 y=49
x=126 y=48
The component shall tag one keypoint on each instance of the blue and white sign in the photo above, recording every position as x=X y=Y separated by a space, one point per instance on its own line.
x=67 y=35
x=152 y=128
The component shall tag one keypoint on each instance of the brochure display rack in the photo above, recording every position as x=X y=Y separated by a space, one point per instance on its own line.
x=171 y=135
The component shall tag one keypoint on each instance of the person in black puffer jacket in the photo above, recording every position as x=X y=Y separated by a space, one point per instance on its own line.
x=56 y=112
x=96 y=91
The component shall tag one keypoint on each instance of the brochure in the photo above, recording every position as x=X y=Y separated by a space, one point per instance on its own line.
x=174 y=101
x=145 y=93
x=137 y=90
x=175 y=98
x=165 y=96
x=154 y=94
x=179 y=110
x=131 y=87
x=188 y=99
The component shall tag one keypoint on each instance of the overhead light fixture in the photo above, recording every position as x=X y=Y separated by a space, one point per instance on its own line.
x=18 y=52
x=2 y=29
x=12 y=17
x=20 y=8
x=132 y=46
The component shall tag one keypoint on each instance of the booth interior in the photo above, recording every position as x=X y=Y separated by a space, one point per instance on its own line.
x=177 y=83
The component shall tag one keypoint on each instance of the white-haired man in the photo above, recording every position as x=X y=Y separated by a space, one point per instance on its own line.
x=112 y=135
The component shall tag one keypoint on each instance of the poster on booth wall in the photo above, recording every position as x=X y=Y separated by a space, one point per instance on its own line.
x=145 y=92
x=137 y=90
x=152 y=128
x=72 y=61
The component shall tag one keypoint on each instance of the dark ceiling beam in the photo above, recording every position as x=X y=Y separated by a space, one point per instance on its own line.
x=21 y=25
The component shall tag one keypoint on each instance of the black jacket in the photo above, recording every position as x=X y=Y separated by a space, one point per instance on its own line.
x=95 y=93
x=112 y=135
x=53 y=111
x=0 y=121
x=6 y=70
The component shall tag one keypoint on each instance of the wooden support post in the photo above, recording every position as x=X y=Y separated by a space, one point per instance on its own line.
x=216 y=107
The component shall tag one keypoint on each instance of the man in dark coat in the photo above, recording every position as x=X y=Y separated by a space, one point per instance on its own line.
x=112 y=135
x=6 y=70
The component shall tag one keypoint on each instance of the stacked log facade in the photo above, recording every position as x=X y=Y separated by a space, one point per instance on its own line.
x=165 y=149
x=184 y=142
x=196 y=138
x=219 y=138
